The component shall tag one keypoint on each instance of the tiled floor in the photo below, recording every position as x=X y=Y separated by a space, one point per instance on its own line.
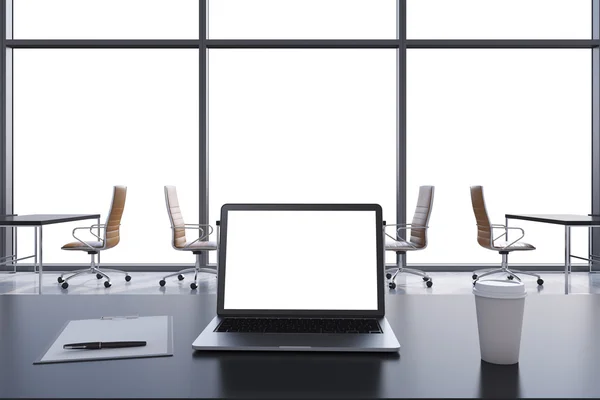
x=147 y=283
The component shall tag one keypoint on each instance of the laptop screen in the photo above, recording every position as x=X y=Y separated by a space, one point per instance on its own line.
x=277 y=259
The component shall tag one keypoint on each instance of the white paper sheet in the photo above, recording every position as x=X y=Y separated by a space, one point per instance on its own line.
x=156 y=331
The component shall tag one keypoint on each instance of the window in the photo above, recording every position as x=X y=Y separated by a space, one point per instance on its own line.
x=302 y=19
x=86 y=120
x=516 y=122
x=301 y=120
x=106 y=19
x=499 y=19
x=295 y=126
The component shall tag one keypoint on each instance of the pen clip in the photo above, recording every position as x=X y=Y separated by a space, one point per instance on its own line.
x=120 y=317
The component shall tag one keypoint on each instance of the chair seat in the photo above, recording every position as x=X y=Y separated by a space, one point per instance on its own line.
x=400 y=245
x=81 y=246
x=514 y=247
x=198 y=246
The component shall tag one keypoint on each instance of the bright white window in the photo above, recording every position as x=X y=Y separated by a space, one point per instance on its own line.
x=499 y=19
x=516 y=122
x=302 y=126
x=86 y=120
x=302 y=19
x=106 y=19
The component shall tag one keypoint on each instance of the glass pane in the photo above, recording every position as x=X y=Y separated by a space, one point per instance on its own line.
x=302 y=126
x=517 y=122
x=106 y=19
x=302 y=19
x=499 y=19
x=86 y=120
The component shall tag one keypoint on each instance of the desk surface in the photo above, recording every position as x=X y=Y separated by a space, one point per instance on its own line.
x=44 y=219
x=560 y=219
x=439 y=356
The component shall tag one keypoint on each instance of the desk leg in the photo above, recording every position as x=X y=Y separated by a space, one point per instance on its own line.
x=589 y=248
x=35 y=249
x=41 y=266
x=506 y=230
x=16 y=249
x=567 y=257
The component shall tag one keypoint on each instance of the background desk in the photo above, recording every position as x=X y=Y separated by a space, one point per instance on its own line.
x=439 y=356
x=38 y=221
x=568 y=221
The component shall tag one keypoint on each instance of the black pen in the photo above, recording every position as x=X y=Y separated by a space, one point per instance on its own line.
x=102 y=345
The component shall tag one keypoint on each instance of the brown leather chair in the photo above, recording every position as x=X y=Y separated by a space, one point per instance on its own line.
x=418 y=237
x=180 y=242
x=485 y=238
x=108 y=239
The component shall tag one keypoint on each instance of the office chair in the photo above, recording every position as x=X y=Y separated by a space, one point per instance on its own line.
x=107 y=240
x=179 y=241
x=418 y=237
x=485 y=238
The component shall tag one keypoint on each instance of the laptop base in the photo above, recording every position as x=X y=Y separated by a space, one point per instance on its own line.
x=320 y=342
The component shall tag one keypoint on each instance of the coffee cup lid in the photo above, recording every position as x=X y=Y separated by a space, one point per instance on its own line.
x=499 y=289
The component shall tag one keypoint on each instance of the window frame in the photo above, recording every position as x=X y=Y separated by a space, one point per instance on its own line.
x=401 y=44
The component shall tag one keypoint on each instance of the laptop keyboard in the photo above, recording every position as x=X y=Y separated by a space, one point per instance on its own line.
x=299 y=325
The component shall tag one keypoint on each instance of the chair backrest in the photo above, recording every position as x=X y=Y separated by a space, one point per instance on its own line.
x=484 y=228
x=175 y=217
x=113 y=222
x=418 y=236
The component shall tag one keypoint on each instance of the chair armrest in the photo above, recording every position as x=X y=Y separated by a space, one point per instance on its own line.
x=403 y=227
x=203 y=234
x=500 y=226
x=81 y=241
x=98 y=226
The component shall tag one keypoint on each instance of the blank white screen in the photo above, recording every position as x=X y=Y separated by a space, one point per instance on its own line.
x=292 y=260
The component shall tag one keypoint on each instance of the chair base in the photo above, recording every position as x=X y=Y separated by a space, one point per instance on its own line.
x=511 y=273
x=392 y=277
x=93 y=269
x=196 y=269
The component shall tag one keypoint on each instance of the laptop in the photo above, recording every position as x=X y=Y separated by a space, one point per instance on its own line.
x=300 y=277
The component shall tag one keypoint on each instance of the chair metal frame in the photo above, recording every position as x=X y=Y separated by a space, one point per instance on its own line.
x=205 y=230
x=503 y=269
x=94 y=267
x=197 y=266
x=402 y=267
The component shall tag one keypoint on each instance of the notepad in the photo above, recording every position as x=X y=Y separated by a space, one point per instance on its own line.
x=157 y=331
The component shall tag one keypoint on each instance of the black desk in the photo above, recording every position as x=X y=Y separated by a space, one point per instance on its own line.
x=439 y=356
x=568 y=221
x=38 y=221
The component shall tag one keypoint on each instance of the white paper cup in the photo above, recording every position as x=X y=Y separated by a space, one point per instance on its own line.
x=500 y=305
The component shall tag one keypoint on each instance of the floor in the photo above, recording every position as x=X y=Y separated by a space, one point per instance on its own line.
x=147 y=283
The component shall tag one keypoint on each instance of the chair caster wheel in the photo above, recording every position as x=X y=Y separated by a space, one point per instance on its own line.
x=180 y=277
x=127 y=278
x=193 y=286
x=162 y=283
x=60 y=279
x=426 y=278
x=392 y=285
x=474 y=276
x=65 y=285
x=388 y=275
x=98 y=276
x=107 y=284
x=510 y=277
x=429 y=283
x=540 y=281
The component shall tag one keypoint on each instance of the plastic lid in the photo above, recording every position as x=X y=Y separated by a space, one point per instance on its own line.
x=500 y=289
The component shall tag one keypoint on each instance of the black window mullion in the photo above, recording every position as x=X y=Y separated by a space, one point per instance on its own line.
x=594 y=240
x=203 y=212
x=401 y=175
